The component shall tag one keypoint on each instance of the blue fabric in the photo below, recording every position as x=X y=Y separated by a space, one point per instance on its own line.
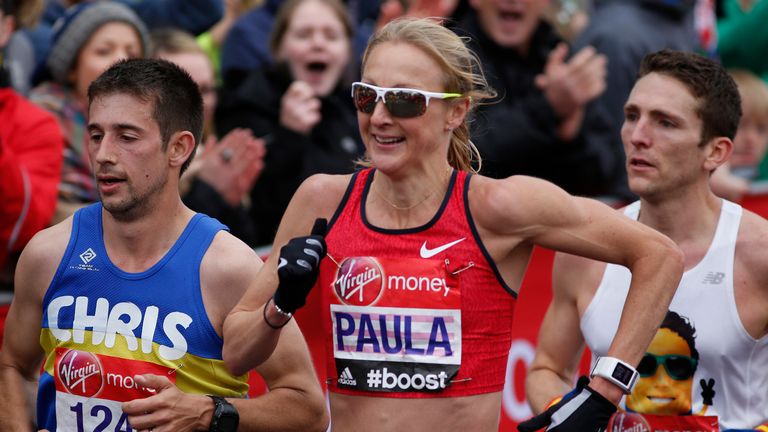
x=246 y=46
x=86 y=271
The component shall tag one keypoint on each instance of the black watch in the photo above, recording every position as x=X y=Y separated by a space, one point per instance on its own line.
x=225 y=417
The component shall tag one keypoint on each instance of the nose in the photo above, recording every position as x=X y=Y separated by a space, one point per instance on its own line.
x=380 y=114
x=636 y=132
x=103 y=152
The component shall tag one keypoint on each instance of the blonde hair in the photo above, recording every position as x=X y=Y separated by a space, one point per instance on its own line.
x=174 y=41
x=461 y=70
x=753 y=92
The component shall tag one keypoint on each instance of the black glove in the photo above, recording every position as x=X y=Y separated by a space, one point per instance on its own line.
x=581 y=410
x=299 y=266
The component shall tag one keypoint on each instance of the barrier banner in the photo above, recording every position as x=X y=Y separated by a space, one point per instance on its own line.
x=633 y=422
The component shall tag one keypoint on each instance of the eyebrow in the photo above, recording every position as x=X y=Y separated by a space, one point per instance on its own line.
x=116 y=126
x=657 y=113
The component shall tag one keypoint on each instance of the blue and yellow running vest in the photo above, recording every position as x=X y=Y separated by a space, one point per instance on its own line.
x=102 y=326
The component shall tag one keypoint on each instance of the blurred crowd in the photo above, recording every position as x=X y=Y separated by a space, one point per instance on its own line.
x=275 y=76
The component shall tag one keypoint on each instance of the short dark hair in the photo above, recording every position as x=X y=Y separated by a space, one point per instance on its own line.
x=719 y=102
x=683 y=327
x=176 y=99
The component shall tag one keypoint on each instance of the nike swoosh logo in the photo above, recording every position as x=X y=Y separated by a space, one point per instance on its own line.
x=426 y=252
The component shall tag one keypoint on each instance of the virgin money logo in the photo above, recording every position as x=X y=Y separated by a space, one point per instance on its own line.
x=359 y=281
x=80 y=373
x=628 y=422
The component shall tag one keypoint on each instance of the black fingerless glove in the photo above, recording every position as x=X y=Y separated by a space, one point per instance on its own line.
x=581 y=410
x=298 y=268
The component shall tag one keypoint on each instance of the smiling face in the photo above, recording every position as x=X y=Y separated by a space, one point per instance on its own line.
x=393 y=143
x=316 y=46
x=509 y=23
x=661 y=135
x=661 y=394
x=109 y=44
x=127 y=156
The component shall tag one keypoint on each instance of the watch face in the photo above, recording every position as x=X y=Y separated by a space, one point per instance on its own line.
x=622 y=373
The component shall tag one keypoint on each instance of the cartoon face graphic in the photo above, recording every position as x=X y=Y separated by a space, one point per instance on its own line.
x=666 y=376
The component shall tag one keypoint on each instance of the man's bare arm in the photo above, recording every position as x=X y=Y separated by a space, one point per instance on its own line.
x=21 y=353
x=560 y=343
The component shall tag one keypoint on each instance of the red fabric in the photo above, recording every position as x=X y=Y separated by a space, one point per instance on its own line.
x=486 y=307
x=30 y=146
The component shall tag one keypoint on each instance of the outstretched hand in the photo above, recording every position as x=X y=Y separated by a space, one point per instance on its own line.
x=299 y=267
x=169 y=409
x=581 y=410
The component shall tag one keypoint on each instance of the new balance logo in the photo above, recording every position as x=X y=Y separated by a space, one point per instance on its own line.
x=714 y=278
x=346 y=378
x=87 y=256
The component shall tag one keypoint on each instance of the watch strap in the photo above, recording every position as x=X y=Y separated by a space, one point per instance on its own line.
x=620 y=373
x=225 y=417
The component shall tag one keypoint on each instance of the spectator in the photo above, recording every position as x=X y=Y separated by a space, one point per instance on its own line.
x=193 y=16
x=619 y=29
x=219 y=179
x=534 y=128
x=743 y=35
x=732 y=180
x=19 y=56
x=30 y=160
x=246 y=46
x=88 y=39
x=213 y=39
x=301 y=104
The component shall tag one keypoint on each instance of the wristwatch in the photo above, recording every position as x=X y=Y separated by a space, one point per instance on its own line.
x=617 y=372
x=225 y=417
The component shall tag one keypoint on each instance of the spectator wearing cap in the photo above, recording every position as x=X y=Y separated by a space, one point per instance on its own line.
x=88 y=39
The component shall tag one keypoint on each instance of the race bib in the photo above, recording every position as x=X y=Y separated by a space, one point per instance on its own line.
x=396 y=325
x=90 y=389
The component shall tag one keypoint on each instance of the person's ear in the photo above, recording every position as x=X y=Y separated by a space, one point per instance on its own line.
x=457 y=113
x=719 y=150
x=180 y=148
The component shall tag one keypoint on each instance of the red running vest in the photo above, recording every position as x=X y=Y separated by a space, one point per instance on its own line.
x=413 y=313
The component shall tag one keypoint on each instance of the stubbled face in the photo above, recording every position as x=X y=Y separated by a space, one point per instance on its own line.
x=749 y=144
x=393 y=143
x=127 y=159
x=199 y=67
x=661 y=135
x=109 y=44
x=660 y=393
x=316 y=46
x=509 y=23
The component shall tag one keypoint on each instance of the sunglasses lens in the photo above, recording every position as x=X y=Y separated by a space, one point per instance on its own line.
x=647 y=366
x=679 y=367
x=365 y=99
x=405 y=104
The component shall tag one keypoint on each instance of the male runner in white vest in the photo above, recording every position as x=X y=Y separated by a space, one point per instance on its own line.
x=711 y=355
